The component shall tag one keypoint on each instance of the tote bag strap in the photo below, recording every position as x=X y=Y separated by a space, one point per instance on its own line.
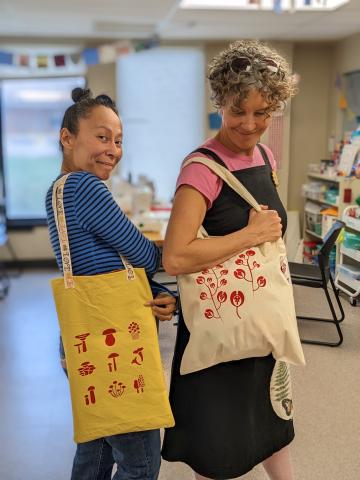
x=60 y=220
x=228 y=178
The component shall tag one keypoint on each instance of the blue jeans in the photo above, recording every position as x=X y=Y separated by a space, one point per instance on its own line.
x=137 y=456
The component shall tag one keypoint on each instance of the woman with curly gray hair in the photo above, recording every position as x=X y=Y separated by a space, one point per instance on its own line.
x=225 y=420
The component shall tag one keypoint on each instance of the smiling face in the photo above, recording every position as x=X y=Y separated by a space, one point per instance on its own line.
x=97 y=146
x=243 y=125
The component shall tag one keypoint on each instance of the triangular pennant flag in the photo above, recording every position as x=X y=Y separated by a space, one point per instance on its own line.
x=91 y=56
x=343 y=104
x=75 y=58
x=6 y=58
x=350 y=114
x=23 y=60
x=338 y=81
x=107 y=54
x=152 y=43
x=124 y=48
x=42 y=61
x=277 y=6
x=139 y=46
x=59 y=60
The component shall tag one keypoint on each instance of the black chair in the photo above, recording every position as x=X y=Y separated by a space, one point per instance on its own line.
x=319 y=276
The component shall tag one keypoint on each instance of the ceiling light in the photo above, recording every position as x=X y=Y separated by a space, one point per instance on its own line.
x=298 y=5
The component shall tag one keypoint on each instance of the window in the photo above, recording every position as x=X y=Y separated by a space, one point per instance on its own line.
x=31 y=113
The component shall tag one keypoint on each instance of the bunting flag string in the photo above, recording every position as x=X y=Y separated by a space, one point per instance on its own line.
x=88 y=56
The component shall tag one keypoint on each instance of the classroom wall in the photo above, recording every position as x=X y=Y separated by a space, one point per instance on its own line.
x=309 y=115
x=346 y=59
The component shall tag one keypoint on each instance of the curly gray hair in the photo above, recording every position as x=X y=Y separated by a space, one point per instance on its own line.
x=246 y=65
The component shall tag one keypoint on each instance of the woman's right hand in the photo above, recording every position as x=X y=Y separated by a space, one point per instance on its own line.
x=266 y=225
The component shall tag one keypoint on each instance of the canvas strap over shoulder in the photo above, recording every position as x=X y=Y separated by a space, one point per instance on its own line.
x=228 y=178
x=60 y=220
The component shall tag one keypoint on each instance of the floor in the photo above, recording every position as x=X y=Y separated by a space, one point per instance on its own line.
x=36 y=428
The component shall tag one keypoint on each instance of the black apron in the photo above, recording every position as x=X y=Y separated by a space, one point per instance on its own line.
x=224 y=420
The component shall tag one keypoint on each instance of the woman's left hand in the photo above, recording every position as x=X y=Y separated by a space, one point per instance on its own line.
x=163 y=306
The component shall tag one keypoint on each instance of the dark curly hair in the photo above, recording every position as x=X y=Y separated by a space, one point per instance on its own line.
x=246 y=65
x=83 y=104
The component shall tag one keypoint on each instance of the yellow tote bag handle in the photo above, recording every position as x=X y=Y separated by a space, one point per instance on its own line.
x=60 y=220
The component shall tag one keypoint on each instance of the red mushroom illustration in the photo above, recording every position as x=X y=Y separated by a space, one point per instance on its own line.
x=86 y=369
x=91 y=397
x=112 y=366
x=82 y=345
x=139 y=384
x=109 y=338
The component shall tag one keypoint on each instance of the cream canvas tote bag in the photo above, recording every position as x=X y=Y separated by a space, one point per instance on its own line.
x=243 y=307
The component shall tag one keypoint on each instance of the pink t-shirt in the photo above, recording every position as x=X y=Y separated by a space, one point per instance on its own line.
x=207 y=182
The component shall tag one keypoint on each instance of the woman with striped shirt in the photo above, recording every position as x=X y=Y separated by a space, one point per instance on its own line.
x=98 y=230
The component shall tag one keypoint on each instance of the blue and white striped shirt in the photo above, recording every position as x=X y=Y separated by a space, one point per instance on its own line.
x=99 y=231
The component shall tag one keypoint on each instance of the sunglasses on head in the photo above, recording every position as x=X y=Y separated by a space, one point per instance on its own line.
x=244 y=64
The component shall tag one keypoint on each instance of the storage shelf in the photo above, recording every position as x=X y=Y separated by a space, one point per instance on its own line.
x=319 y=176
x=322 y=202
x=350 y=282
x=316 y=235
x=351 y=222
x=350 y=252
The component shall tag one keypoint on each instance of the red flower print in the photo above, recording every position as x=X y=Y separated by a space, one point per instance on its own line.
x=204 y=272
x=222 y=297
x=223 y=282
x=200 y=280
x=237 y=298
x=239 y=273
x=224 y=272
x=212 y=285
x=209 y=279
x=250 y=253
x=209 y=313
x=203 y=296
x=261 y=281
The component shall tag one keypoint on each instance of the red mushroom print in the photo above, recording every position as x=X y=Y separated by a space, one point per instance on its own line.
x=134 y=330
x=139 y=384
x=82 y=346
x=112 y=366
x=139 y=356
x=91 y=397
x=86 y=369
x=110 y=338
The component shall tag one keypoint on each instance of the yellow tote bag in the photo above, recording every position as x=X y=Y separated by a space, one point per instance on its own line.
x=111 y=345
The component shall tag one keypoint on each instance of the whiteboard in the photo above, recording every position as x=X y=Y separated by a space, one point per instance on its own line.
x=161 y=98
